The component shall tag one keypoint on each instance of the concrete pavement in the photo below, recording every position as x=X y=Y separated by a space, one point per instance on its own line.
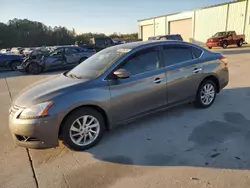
x=182 y=147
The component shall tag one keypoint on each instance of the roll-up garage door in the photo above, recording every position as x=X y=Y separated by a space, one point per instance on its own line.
x=147 y=31
x=182 y=27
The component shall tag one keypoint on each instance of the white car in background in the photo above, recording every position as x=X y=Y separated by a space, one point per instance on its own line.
x=27 y=51
x=5 y=51
x=15 y=50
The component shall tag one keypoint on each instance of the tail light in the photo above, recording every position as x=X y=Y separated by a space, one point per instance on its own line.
x=224 y=60
x=93 y=53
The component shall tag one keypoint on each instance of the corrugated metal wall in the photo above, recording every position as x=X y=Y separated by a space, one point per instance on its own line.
x=160 y=26
x=247 y=24
x=206 y=22
x=209 y=21
x=236 y=17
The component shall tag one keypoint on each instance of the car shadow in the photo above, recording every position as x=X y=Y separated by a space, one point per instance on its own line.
x=217 y=137
x=234 y=52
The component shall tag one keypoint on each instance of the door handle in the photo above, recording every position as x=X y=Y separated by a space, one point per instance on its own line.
x=197 y=70
x=158 y=80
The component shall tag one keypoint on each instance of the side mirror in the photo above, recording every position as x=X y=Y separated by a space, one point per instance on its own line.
x=122 y=73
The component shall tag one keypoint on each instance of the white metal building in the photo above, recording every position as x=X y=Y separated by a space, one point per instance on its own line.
x=200 y=24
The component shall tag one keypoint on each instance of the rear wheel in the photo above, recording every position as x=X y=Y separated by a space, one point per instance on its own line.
x=224 y=44
x=34 y=68
x=240 y=43
x=206 y=94
x=83 y=129
x=210 y=47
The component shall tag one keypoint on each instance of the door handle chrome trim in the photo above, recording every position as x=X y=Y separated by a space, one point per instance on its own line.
x=158 y=80
x=197 y=70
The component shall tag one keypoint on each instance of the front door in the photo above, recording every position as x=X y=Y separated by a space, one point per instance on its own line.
x=183 y=72
x=143 y=91
x=70 y=56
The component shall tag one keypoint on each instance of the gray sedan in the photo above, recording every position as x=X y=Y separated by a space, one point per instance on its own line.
x=64 y=57
x=115 y=86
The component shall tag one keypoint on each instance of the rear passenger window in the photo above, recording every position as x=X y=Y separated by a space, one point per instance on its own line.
x=196 y=51
x=174 y=55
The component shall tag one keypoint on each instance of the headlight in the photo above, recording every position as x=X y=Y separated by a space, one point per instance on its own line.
x=36 y=111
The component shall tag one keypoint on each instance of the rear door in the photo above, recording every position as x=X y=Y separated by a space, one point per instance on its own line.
x=144 y=90
x=183 y=71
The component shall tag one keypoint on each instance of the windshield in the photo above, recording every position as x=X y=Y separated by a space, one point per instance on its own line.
x=220 y=34
x=96 y=64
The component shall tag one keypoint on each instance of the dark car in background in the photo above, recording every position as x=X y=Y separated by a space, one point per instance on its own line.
x=167 y=37
x=225 y=38
x=10 y=61
x=64 y=57
x=113 y=87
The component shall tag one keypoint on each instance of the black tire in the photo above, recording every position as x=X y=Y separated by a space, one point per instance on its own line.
x=34 y=68
x=240 y=43
x=66 y=127
x=198 y=100
x=210 y=47
x=224 y=44
x=82 y=59
x=14 y=64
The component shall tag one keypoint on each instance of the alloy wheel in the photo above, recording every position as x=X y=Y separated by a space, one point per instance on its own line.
x=207 y=94
x=84 y=130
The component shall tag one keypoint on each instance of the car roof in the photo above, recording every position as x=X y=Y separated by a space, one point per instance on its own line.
x=134 y=45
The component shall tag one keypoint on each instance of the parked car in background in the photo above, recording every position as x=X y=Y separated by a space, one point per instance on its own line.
x=102 y=43
x=167 y=37
x=16 y=50
x=27 y=51
x=225 y=38
x=10 y=61
x=115 y=86
x=60 y=58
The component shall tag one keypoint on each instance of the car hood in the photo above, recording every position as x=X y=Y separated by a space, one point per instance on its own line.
x=47 y=90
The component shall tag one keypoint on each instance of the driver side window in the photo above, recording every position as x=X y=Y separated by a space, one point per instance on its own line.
x=143 y=61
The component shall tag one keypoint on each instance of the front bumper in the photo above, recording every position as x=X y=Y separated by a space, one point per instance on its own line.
x=213 y=44
x=35 y=133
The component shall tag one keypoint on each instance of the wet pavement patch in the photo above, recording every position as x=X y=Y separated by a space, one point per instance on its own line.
x=212 y=132
x=236 y=118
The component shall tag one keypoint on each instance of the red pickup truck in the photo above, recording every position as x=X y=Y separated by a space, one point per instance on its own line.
x=223 y=39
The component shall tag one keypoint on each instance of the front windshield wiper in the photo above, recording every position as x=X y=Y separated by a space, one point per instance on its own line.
x=73 y=76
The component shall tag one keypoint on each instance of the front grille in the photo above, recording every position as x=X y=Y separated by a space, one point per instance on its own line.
x=26 y=138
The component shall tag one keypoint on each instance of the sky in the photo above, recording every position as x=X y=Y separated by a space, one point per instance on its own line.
x=98 y=16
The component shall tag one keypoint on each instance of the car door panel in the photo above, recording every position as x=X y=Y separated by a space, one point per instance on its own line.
x=143 y=91
x=183 y=81
x=138 y=94
x=183 y=72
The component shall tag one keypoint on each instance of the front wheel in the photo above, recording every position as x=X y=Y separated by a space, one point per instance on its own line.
x=206 y=94
x=34 y=68
x=14 y=65
x=224 y=44
x=83 y=129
